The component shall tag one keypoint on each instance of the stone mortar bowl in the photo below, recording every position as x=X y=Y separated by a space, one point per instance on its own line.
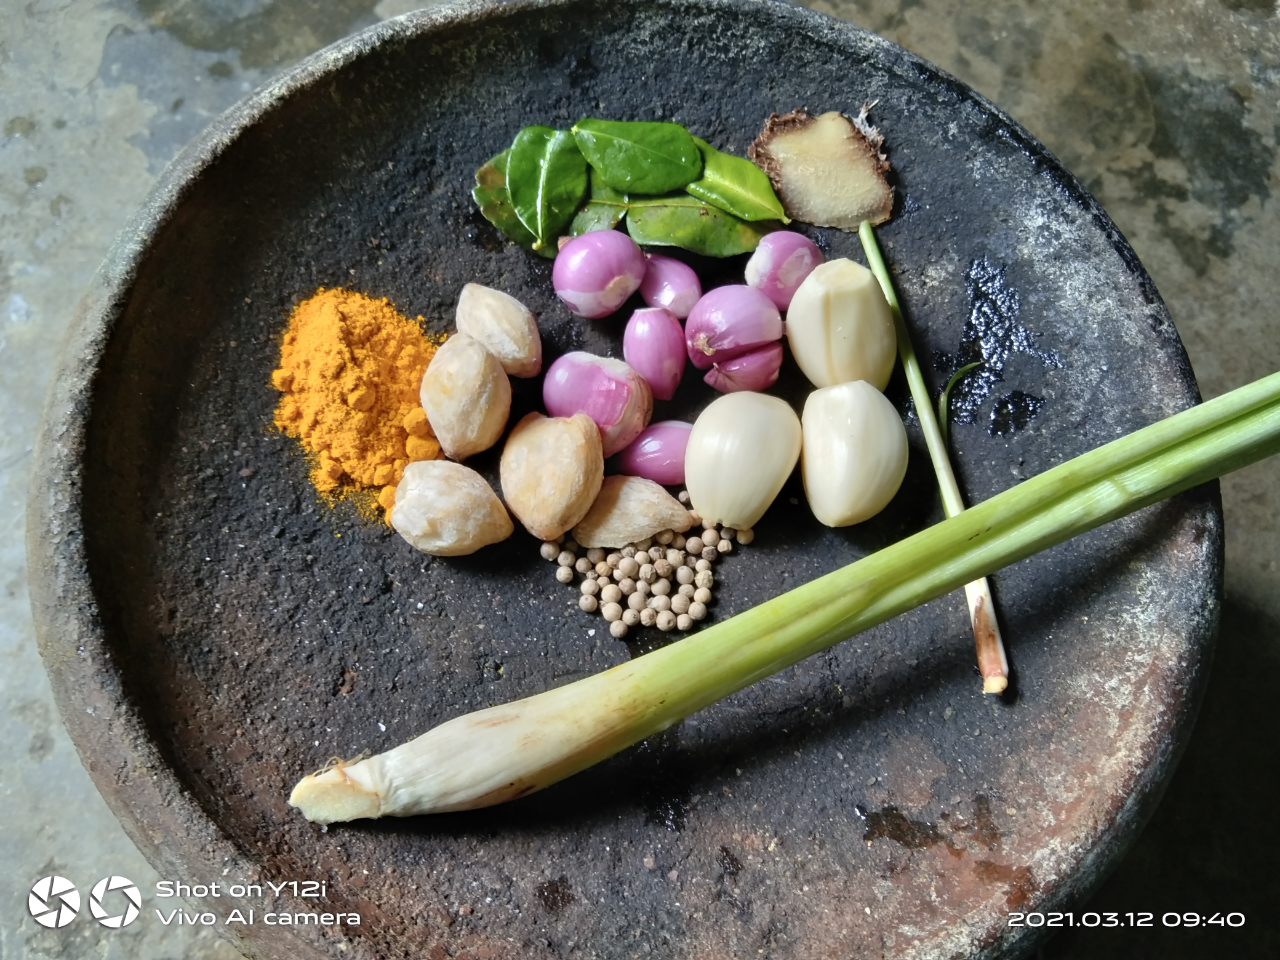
x=213 y=635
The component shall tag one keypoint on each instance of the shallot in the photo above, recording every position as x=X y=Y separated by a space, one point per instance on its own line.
x=670 y=283
x=595 y=273
x=780 y=264
x=653 y=345
x=608 y=391
x=728 y=322
x=750 y=371
x=658 y=453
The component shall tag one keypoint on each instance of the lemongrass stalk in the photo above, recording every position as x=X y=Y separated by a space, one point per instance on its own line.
x=511 y=750
x=993 y=663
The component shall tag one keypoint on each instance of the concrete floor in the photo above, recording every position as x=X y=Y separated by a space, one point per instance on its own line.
x=1169 y=112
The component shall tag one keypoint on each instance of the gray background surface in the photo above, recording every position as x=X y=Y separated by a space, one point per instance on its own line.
x=1168 y=112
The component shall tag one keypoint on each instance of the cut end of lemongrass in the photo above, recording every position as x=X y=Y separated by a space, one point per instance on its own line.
x=995 y=685
x=336 y=795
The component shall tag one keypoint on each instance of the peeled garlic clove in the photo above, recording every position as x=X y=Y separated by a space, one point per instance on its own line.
x=840 y=328
x=741 y=451
x=448 y=510
x=505 y=327
x=855 y=453
x=628 y=509
x=551 y=472
x=467 y=397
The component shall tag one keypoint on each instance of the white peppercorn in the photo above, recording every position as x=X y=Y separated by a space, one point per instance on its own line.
x=643 y=544
x=565 y=559
x=710 y=537
x=664 y=537
x=684 y=496
x=550 y=550
x=709 y=553
x=666 y=620
x=704 y=579
x=637 y=601
x=611 y=594
x=684 y=575
x=583 y=565
x=627 y=586
x=648 y=617
x=590 y=588
x=724 y=546
x=612 y=611
x=661 y=588
x=663 y=568
x=674 y=557
x=684 y=622
x=588 y=604
x=630 y=616
x=660 y=603
x=629 y=567
x=603 y=581
x=680 y=603
x=728 y=533
x=647 y=573
x=569 y=545
x=618 y=575
x=618 y=629
x=693 y=544
x=686 y=590
x=703 y=564
x=702 y=595
x=746 y=536
x=603 y=569
x=564 y=574
x=678 y=541
x=644 y=589
x=595 y=554
x=613 y=559
x=697 y=610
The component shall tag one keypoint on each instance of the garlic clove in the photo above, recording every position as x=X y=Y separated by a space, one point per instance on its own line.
x=840 y=328
x=448 y=510
x=855 y=452
x=742 y=449
x=551 y=471
x=504 y=326
x=629 y=509
x=467 y=397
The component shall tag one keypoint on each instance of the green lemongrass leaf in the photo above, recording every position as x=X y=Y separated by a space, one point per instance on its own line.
x=547 y=176
x=944 y=398
x=639 y=157
x=510 y=750
x=735 y=185
x=494 y=200
x=679 y=220
x=605 y=206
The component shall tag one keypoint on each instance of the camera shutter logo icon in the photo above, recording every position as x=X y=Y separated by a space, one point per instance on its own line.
x=54 y=902
x=105 y=886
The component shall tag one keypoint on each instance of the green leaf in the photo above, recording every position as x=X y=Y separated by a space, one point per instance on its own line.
x=680 y=220
x=735 y=185
x=640 y=157
x=492 y=197
x=603 y=209
x=547 y=177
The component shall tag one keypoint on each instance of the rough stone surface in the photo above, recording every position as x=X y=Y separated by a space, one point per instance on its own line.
x=95 y=98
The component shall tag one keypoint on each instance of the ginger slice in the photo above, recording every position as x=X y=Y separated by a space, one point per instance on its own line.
x=827 y=170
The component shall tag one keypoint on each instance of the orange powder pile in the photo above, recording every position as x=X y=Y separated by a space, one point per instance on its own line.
x=350 y=369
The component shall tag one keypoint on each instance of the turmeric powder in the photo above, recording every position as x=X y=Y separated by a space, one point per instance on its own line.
x=349 y=374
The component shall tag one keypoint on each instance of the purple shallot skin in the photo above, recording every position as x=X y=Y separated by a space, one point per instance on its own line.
x=653 y=344
x=780 y=263
x=671 y=284
x=607 y=390
x=728 y=322
x=595 y=273
x=658 y=453
x=755 y=370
